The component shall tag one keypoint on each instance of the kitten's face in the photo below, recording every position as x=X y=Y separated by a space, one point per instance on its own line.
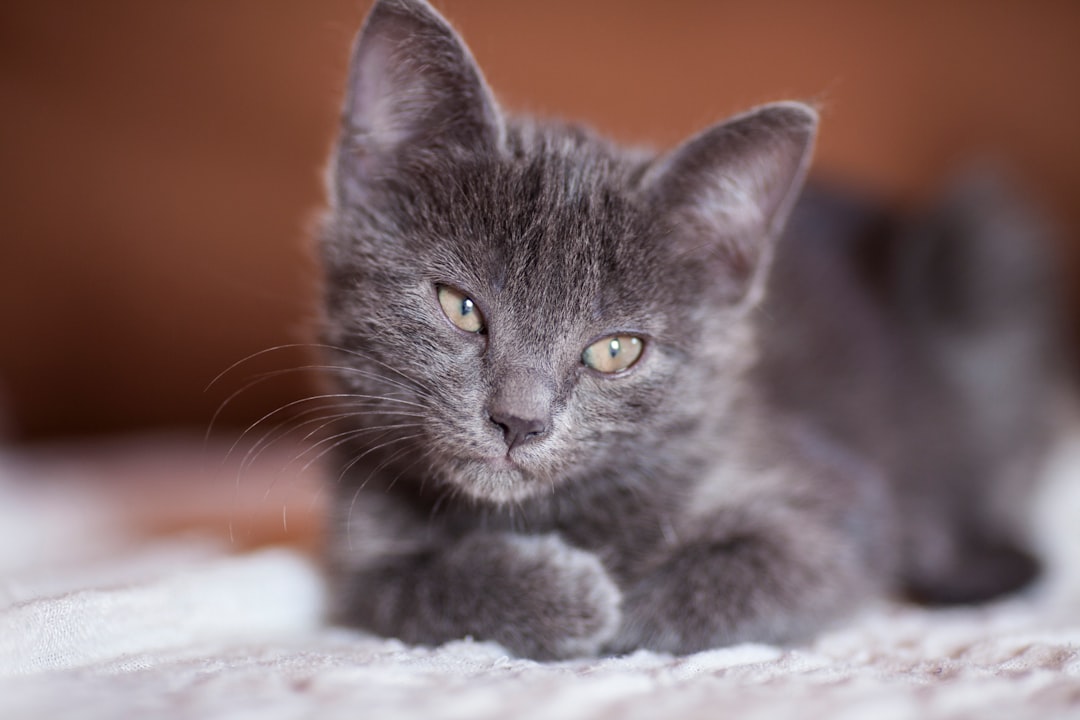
x=521 y=306
x=526 y=288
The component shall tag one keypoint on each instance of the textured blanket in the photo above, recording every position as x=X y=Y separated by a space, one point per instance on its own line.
x=98 y=619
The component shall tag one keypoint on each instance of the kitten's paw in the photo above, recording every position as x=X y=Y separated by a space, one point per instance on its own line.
x=567 y=605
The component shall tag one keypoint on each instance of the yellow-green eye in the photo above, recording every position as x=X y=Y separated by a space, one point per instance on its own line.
x=613 y=354
x=461 y=310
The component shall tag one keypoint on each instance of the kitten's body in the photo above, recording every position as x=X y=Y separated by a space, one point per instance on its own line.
x=929 y=344
x=749 y=478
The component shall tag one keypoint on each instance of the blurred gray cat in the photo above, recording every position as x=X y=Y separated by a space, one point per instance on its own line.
x=587 y=410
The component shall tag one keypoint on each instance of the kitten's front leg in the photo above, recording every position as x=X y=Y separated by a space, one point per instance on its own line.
x=535 y=595
x=742 y=578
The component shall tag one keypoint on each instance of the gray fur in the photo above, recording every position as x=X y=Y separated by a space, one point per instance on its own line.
x=743 y=481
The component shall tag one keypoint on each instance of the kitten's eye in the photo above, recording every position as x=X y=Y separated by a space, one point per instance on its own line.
x=461 y=310
x=613 y=354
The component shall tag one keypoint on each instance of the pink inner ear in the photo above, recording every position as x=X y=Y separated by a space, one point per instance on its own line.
x=414 y=81
x=371 y=110
x=730 y=201
x=384 y=82
x=731 y=187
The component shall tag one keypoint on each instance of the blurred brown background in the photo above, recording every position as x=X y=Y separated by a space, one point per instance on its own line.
x=161 y=161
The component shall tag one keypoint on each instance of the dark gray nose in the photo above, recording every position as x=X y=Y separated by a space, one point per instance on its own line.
x=517 y=430
x=521 y=405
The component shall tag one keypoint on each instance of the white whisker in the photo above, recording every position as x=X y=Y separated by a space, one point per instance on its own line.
x=352 y=463
x=300 y=401
x=346 y=437
x=361 y=486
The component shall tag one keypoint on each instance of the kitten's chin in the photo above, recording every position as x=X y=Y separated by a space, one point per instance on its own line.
x=497 y=480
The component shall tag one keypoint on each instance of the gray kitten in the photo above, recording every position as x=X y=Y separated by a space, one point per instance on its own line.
x=586 y=408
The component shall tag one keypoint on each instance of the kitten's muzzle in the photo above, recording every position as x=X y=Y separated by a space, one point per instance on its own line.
x=521 y=405
x=518 y=430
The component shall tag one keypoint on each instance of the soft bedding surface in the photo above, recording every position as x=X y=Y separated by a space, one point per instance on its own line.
x=100 y=619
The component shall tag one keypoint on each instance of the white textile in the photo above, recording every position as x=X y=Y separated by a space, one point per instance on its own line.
x=181 y=628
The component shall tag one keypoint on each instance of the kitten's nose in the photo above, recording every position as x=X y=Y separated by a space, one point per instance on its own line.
x=516 y=430
x=521 y=405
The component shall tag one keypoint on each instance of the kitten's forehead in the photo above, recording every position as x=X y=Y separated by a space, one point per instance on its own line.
x=556 y=225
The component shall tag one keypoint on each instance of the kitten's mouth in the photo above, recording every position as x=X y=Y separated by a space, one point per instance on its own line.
x=494 y=478
x=504 y=463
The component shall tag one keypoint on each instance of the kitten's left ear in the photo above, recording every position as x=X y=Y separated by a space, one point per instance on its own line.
x=413 y=87
x=729 y=190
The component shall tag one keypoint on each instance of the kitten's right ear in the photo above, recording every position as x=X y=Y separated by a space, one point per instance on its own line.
x=728 y=191
x=413 y=85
